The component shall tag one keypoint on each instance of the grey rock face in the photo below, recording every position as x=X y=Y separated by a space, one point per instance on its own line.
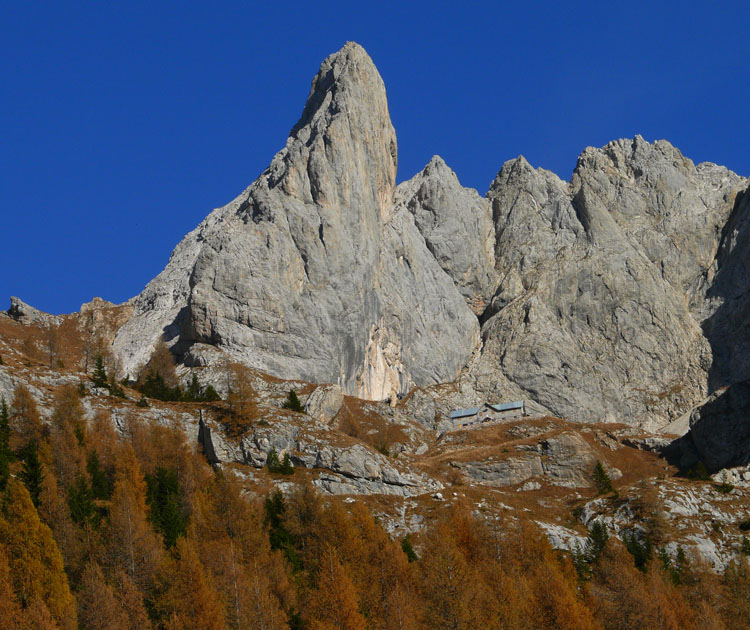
x=504 y=472
x=563 y=460
x=312 y=273
x=324 y=403
x=456 y=224
x=719 y=433
x=27 y=314
x=352 y=469
x=588 y=323
x=667 y=207
x=727 y=303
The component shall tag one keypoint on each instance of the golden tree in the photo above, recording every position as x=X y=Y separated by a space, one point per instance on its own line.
x=132 y=545
x=98 y=608
x=333 y=605
x=241 y=398
x=36 y=566
x=25 y=420
x=187 y=595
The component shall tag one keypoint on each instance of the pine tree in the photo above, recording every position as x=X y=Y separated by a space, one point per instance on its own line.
x=31 y=473
x=280 y=537
x=81 y=501
x=193 y=391
x=641 y=548
x=101 y=480
x=292 y=402
x=407 y=548
x=163 y=497
x=99 y=378
x=210 y=394
x=602 y=480
x=596 y=542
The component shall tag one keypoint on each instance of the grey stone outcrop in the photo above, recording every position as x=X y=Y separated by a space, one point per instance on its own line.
x=324 y=403
x=27 y=314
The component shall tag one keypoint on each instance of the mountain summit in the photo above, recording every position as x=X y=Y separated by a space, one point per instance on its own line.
x=594 y=298
x=313 y=272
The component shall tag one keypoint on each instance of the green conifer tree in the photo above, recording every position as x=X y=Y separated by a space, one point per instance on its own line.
x=210 y=394
x=407 y=548
x=292 y=402
x=81 y=501
x=602 y=480
x=31 y=473
x=272 y=461
x=102 y=481
x=164 y=499
x=596 y=542
x=99 y=377
x=193 y=391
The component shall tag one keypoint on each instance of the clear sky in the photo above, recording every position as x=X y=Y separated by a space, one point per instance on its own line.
x=123 y=124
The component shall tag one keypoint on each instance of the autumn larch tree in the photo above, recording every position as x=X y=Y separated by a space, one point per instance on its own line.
x=187 y=592
x=36 y=566
x=25 y=422
x=6 y=455
x=242 y=399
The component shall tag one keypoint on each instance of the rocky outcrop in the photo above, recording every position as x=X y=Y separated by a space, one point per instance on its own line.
x=456 y=224
x=312 y=273
x=347 y=468
x=563 y=460
x=27 y=314
x=586 y=319
x=727 y=304
x=324 y=403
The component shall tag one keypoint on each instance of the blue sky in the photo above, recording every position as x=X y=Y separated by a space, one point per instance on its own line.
x=124 y=124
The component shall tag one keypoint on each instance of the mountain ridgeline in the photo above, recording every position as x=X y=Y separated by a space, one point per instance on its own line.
x=618 y=296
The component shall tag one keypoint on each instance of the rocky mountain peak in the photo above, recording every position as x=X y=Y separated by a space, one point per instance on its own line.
x=586 y=296
x=313 y=272
x=345 y=121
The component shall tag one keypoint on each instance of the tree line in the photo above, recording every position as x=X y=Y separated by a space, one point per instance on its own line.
x=133 y=529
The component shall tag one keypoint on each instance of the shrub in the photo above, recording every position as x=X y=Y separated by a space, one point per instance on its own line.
x=406 y=547
x=292 y=402
x=699 y=471
x=283 y=467
x=382 y=448
x=641 y=548
x=724 y=487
